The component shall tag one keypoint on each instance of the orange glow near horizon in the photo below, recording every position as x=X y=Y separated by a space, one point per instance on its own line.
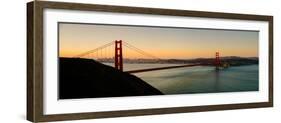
x=166 y=43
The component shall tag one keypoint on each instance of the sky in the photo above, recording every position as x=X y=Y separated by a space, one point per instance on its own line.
x=165 y=43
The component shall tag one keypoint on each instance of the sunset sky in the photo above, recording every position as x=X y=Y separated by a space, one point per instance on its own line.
x=180 y=43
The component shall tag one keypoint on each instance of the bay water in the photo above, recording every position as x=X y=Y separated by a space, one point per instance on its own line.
x=198 y=79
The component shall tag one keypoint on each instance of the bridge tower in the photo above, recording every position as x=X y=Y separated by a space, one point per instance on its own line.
x=118 y=55
x=217 y=61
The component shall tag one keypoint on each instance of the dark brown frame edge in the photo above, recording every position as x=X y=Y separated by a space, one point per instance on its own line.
x=35 y=60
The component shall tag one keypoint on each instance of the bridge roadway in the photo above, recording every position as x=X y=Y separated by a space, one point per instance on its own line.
x=163 y=68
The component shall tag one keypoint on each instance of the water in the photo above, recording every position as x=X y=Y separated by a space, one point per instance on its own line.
x=199 y=79
x=128 y=67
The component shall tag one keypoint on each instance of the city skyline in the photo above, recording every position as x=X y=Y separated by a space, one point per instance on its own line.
x=166 y=43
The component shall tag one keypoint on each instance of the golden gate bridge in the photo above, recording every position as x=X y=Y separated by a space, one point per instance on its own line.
x=114 y=51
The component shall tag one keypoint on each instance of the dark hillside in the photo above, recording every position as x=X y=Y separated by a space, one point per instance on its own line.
x=85 y=78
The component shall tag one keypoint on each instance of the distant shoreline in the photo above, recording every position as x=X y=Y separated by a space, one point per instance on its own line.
x=231 y=60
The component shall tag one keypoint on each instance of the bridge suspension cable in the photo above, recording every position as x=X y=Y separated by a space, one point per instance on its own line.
x=112 y=52
x=139 y=50
x=94 y=50
x=99 y=51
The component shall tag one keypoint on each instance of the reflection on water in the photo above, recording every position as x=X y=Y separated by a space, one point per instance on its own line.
x=203 y=79
x=199 y=79
x=129 y=67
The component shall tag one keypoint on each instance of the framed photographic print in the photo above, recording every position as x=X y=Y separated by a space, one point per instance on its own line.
x=96 y=61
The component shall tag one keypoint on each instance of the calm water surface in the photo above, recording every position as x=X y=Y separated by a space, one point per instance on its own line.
x=199 y=79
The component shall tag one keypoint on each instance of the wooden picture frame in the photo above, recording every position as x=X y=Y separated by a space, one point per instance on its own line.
x=35 y=60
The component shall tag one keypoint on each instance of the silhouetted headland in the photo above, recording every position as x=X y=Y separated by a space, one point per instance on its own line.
x=85 y=78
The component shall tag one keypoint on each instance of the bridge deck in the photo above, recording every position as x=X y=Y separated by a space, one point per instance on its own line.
x=163 y=68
